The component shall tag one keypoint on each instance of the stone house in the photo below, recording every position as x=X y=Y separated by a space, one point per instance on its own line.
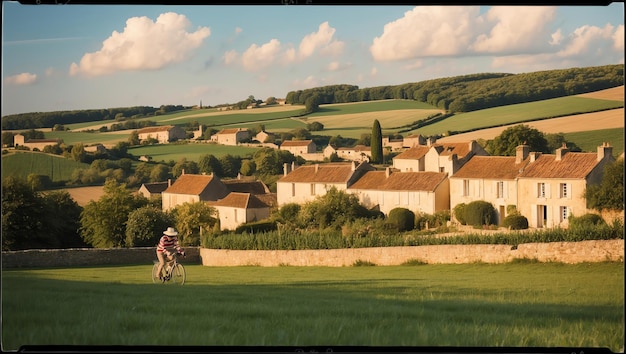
x=39 y=144
x=263 y=136
x=356 y=153
x=298 y=147
x=552 y=187
x=231 y=136
x=240 y=208
x=149 y=190
x=420 y=192
x=305 y=183
x=163 y=134
x=191 y=188
x=445 y=157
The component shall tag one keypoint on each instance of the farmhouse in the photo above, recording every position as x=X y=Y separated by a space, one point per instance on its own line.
x=264 y=137
x=163 y=134
x=299 y=147
x=39 y=144
x=356 y=153
x=149 y=190
x=448 y=157
x=231 y=136
x=305 y=183
x=424 y=192
x=189 y=188
x=96 y=148
x=240 y=208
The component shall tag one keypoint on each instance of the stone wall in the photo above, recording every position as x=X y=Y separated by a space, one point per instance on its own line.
x=75 y=257
x=566 y=252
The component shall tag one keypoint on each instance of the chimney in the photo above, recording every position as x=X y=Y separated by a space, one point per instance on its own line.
x=353 y=166
x=293 y=165
x=239 y=175
x=560 y=152
x=169 y=182
x=521 y=153
x=285 y=168
x=317 y=167
x=387 y=172
x=183 y=171
x=605 y=150
x=534 y=156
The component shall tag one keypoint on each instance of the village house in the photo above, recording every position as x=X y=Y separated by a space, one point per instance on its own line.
x=445 y=157
x=191 y=188
x=231 y=136
x=420 y=192
x=356 y=153
x=39 y=144
x=239 y=208
x=299 y=147
x=490 y=178
x=152 y=189
x=392 y=144
x=163 y=134
x=305 y=183
x=96 y=149
x=263 y=137
x=552 y=187
x=415 y=140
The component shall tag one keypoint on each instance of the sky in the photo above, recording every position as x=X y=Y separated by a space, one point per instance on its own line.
x=74 y=57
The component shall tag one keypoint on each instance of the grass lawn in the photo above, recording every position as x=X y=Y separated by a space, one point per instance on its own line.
x=485 y=305
x=191 y=151
x=591 y=139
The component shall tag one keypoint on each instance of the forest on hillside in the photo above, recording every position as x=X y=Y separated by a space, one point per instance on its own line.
x=474 y=92
x=454 y=94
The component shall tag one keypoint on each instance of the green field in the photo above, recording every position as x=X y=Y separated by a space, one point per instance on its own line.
x=474 y=305
x=22 y=164
x=590 y=140
x=516 y=113
x=72 y=138
x=193 y=152
x=369 y=106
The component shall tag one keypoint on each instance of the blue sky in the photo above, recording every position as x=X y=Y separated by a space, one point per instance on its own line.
x=67 y=57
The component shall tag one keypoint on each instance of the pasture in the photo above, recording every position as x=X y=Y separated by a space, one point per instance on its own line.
x=523 y=304
x=591 y=139
x=191 y=151
x=517 y=113
x=22 y=164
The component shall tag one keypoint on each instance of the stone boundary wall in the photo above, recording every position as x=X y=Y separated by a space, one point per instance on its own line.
x=76 y=257
x=565 y=252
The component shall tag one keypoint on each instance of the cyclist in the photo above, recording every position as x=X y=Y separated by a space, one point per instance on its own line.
x=168 y=241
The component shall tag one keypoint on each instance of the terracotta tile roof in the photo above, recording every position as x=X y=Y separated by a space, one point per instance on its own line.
x=156 y=187
x=288 y=143
x=269 y=199
x=491 y=167
x=162 y=128
x=239 y=200
x=400 y=181
x=190 y=184
x=230 y=131
x=446 y=149
x=243 y=186
x=325 y=173
x=572 y=165
x=414 y=153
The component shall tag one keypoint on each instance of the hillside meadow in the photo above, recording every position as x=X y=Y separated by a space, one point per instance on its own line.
x=521 y=304
x=22 y=164
x=191 y=151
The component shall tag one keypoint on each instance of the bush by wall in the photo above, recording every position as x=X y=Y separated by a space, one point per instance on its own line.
x=480 y=212
x=459 y=213
x=403 y=218
x=515 y=222
x=585 y=220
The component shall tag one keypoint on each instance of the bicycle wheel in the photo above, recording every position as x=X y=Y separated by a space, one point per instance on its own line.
x=155 y=276
x=178 y=274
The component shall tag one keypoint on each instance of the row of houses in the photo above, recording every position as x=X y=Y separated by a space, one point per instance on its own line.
x=545 y=188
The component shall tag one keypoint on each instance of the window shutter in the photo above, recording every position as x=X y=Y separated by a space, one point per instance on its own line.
x=547 y=190
x=505 y=189
x=569 y=191
x=533 y=215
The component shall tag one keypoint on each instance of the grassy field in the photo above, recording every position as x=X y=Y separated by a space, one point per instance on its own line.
x=518 y=113
x=72 y=138
x=590 y=140
x=515 y=304
x=22 y=164
x=193 y=152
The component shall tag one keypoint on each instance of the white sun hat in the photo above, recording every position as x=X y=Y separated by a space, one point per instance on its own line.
x=170 y=232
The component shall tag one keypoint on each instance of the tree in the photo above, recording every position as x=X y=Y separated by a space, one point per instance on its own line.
x=133 y=140
x=184 y=166
x=506 y=143
x=557 y=140
x=247 y=167
x=609 y=194
x=210 y=164
x=403 y=218
x=377 y=143
x=315 y=126
x=78 y=152
x=22 y=215
x=62 y=219
x=103 y=222
x=230 y=165
x=192 y=220
x=145 y=226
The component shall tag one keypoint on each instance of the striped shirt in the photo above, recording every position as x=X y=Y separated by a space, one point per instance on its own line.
x=164 y=243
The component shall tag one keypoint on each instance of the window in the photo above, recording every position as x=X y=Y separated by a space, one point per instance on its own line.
x=466 y=187
x=293 y=189
x=564 y=188
x=312 y=188
x=541 y=190
x=500 y=189
x=564 y=212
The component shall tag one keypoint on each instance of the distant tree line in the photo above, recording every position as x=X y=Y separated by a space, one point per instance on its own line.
x=50 y=119
x=476 y=91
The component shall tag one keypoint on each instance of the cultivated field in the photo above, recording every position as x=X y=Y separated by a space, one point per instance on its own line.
x=472 y=305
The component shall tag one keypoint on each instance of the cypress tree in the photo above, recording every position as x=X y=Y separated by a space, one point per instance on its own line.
x=377 y=143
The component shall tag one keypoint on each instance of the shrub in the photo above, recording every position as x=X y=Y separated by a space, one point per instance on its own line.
x=586 y=221
x=403 y=218
x=289 y=212
x=256 y=227
x=362 y=263
x=515 y=222
x=459 y=213
x=480 y=212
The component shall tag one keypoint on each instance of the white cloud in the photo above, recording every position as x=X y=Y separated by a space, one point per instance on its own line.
x=230 y=57
x=321 y=40
x=309 y=82
x=514 y=29
x=589 y=39
x=427 y=31
x=21 y=79
x=143 y=45
x=258 y=57
x=337 y=66
x=618 y=38
x=557 y=37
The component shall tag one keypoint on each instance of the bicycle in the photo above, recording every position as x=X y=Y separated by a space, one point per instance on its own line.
x=171 y=271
